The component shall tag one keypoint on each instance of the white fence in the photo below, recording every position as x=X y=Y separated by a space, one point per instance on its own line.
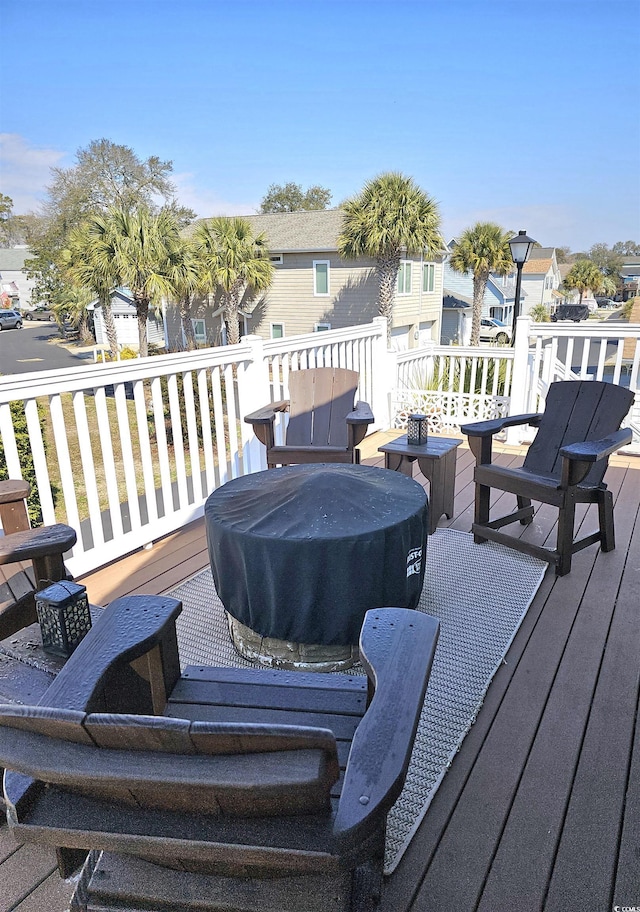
x=127 y=452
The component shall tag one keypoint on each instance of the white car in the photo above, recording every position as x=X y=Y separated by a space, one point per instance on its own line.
x=495 y=331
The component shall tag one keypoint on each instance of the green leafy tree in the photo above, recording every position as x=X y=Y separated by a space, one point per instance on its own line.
x=15 y=229
x=585 y=276
x=482 y=249
x=563 y=254
x=390 y=217
x=608 y=262
x=105 y=176
x=234 y=261
x=626 y=248
x=292 y=198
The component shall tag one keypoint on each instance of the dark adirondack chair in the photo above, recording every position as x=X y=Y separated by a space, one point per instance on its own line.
x=29 y=558
x=325 y=422
x=251 y=790
x=564 y=466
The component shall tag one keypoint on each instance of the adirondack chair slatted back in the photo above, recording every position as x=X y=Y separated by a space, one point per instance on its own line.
x=576 y=411
x=320 y=400
x=234 y=769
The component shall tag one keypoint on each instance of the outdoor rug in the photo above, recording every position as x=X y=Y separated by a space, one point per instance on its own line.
x=480 y=594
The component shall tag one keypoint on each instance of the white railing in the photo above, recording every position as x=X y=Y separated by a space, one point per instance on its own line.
x=452 y=385
x=127 y=452
x=545 y=352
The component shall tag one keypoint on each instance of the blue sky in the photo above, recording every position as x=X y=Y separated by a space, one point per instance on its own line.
x=524 y=112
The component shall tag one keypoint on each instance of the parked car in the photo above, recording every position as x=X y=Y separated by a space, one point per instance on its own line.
x=492 y=330
x=575 y=312
x=10 y=319
x=41 y=313
x=605 y=302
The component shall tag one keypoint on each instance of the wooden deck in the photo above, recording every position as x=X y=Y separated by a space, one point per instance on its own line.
x=541 y=807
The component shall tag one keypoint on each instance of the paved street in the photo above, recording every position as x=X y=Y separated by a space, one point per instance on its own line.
x=35 y=347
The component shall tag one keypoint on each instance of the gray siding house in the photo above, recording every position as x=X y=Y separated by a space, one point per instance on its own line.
x=314 y=289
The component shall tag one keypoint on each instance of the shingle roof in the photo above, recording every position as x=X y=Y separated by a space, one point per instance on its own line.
x=12 y=258
x=291 y=231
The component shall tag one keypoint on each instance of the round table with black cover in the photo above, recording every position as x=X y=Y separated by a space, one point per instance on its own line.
x=300 y=553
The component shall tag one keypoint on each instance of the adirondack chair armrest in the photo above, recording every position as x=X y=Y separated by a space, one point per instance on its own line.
x=262 y=421
x=594 y=450
x=32 y=544
x=138 y=629
x=361 y=414
x=578 y=458
x=481 y=433
x=489 y=428
x=267 y=414
x=397 y=648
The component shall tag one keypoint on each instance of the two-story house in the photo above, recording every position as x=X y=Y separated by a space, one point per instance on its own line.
x=14 y=282
x=314 y=289
x=540 y=279
x=540 y=282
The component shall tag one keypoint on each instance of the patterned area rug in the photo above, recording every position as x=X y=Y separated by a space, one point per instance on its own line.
x=480 y=593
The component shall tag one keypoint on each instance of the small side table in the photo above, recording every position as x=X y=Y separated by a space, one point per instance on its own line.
x=437 y=462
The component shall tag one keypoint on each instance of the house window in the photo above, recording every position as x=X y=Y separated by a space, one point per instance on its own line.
x=321 y=277
x=404 y=277
x=276 y=259
x=428 y=277
x=322 y=327
x=277 y=330
x=199 y=330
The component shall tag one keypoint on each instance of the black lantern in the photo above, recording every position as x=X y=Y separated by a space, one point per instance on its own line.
x=64 y=616
x=520 y=250
x=417 y=428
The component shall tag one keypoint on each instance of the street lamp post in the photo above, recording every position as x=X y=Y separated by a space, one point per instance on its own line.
x=520 y=249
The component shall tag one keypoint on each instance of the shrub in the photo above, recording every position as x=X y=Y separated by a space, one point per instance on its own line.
x=540 y=314
x=26 y=463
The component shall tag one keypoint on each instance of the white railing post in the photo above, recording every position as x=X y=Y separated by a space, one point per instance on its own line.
x=253 y=393
x=520 y=387
x=383 y=376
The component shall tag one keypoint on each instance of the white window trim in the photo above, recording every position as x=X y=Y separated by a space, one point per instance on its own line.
x=275 y=259
x=429 y=269
x=322 y=294
x=322 y=327
x=199 y=329
x=271 y=325
x=405 y=263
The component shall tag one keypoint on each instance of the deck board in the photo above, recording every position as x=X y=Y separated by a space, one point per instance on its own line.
x=541 y=807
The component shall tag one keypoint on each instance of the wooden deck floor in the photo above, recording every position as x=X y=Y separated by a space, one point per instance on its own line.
x=541 y=807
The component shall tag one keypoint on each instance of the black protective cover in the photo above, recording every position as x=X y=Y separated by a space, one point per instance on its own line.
x=300 y=553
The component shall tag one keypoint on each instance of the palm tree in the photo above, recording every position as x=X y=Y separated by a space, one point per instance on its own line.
x=585 y=276
x=234 y=261
x=90 y=266
x=186 y=279
x=481 y=250
x=73 y=304
x=391 y=216
x=140 y=244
